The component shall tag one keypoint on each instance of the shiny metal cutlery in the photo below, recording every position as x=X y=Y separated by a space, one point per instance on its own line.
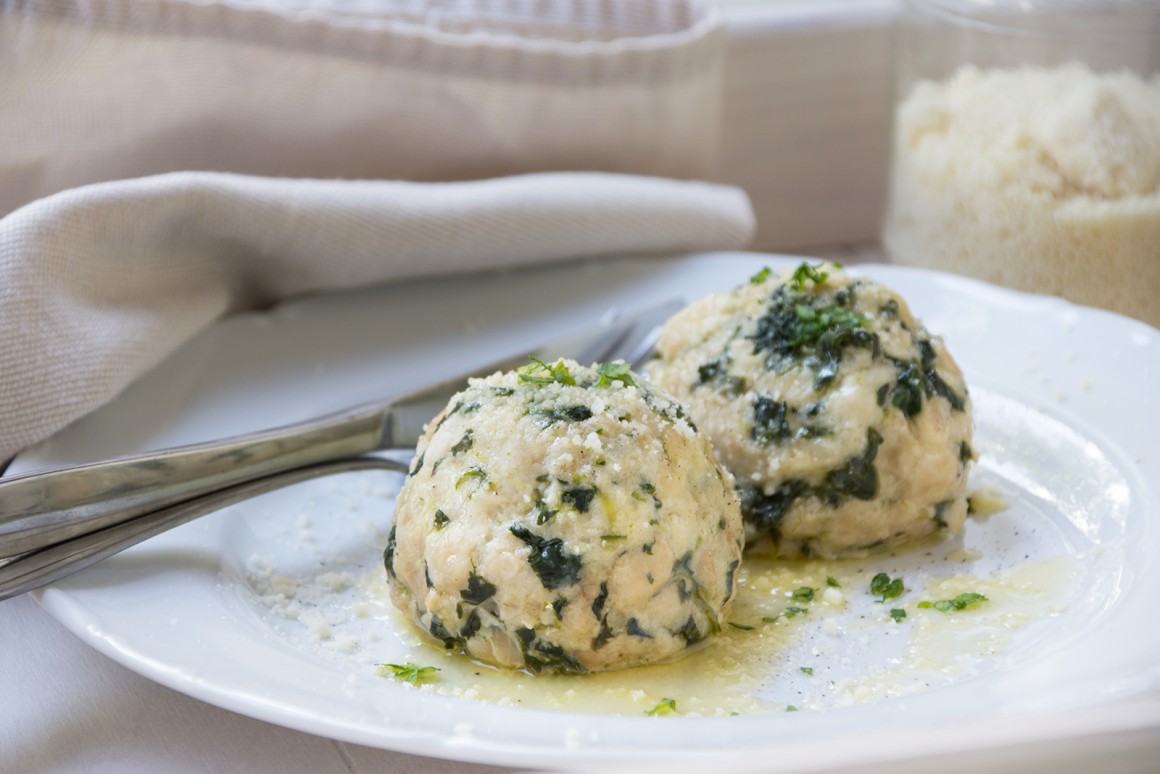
x=54 y=522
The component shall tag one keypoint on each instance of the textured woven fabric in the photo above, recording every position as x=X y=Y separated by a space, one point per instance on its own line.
x=112 y=252
x=97 y=90
x=98 y=283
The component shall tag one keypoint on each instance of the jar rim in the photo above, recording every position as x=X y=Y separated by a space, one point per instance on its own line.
x=1051 y=18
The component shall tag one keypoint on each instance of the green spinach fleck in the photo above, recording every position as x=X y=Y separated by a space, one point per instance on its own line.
x=940 y=511
x=645 y=491
x=691 y=633
x=549 y=559
x=769 y=421
x=579 y=497
x=765 y=511
x=634 y=628
x=800 y=328
x=543 y=513
x=966 y=453
x=440 y=632
x=478 y=590
x=933 y=381
x=389 y=552
x=540 y=656
x=598 y=602
x=465 y=443
x=554 y=414
x=858 y=478
x=471 y=626
x=715 y=373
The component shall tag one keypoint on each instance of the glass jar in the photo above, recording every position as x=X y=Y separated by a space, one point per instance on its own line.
x=1026 y=147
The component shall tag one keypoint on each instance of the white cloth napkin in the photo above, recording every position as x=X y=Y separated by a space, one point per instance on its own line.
x=427 y=90
x=98 y=283
x=112 y=253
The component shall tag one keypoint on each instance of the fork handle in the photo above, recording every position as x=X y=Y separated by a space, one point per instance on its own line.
x=43 y=566
x=41 y=508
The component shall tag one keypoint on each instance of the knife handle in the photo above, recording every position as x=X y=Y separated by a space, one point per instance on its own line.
x=42 y=508
x=60 y=559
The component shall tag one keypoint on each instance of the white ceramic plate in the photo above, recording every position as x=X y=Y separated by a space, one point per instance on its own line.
x=1067 y=426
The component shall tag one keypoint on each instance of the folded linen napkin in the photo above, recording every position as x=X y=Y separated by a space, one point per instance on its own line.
x=438 y=90
x=99 y=283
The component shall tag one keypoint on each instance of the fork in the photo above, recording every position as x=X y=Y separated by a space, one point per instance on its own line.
x=57 y=522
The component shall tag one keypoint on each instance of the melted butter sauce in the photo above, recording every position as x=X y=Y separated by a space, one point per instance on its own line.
x=787 y=649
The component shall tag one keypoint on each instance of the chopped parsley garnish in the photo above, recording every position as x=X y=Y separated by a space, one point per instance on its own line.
x=806 y=272
x=883 y=587
x=832 y=582
x=790 y=708
x=742 y=627
x=760 y=276
x=539 y=372
x=804 y=594
x=441 y=519
x=790 y=612
x=812 y=322
x=801 y=328
x=807 y=671
x=898 y=614
x=408 y=673
x=614 y=372
x=961 y=602
x=663 y=707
